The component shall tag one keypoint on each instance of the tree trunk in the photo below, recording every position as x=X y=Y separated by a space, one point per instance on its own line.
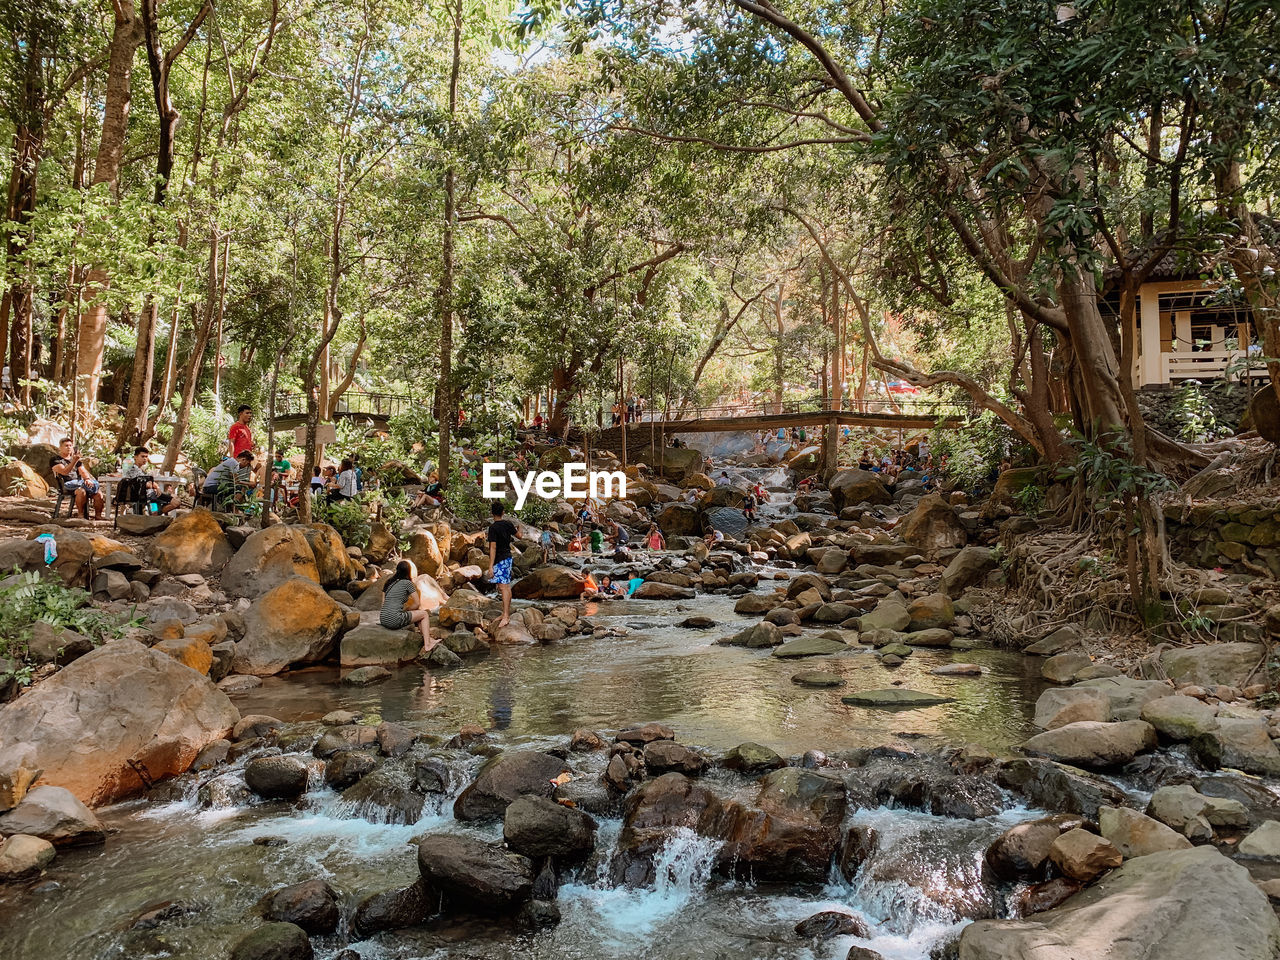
x=445 y=405
x=1099 y=369
x=125 y=39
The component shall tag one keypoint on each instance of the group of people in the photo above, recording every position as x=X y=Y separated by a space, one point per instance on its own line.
x=77 y=479
x=900 y=464
x=633 y=410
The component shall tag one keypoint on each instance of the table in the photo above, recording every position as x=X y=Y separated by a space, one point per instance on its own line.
x=108 y=481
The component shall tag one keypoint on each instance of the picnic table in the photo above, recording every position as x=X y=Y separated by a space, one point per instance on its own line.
x=108 y=481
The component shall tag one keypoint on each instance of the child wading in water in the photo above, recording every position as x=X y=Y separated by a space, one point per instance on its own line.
x=501 y=533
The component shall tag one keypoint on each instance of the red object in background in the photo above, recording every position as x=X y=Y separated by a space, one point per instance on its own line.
x=902 y=387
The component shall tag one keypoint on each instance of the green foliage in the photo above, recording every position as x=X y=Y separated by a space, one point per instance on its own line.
x=349 y=517
x=1030 y=498
x=974 y=453
x=1108 y=474
x=205 y=443
x=27 y=597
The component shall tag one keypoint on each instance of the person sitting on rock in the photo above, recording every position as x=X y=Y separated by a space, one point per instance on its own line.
x=749 y=508
x=723 y=480
x=714 y=537
x=402 y=607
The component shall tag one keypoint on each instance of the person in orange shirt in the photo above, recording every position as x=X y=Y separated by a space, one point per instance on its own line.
x=240 y=437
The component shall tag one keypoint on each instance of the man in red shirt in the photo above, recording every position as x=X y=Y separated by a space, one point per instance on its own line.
x=239 y=437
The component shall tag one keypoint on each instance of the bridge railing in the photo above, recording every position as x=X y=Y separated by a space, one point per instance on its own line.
x=928 y=409
x=351 y=403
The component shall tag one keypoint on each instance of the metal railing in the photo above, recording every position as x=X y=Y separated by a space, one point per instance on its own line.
x=351 y=403
x=930 y=409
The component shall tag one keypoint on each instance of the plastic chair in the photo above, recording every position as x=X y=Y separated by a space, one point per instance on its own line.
x=131 y=491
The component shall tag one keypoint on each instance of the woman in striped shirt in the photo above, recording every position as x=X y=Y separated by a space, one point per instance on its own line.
x=402 y=607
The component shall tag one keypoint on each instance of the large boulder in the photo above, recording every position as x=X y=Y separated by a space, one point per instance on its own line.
x=54 y=814
x=193 y=543
x=37 y=456
x=1242 y=743
x=1180 y=717
x=294 y=622
x=23 y=857
x=371 y=643
x=539 y=827
x=1022 y=851
x=18 y=479
x=853 y=486
x=890 y=613
x=933 y=525
x=1137 y=835
x=112 y=723
x=76 y=552
x=274 y=941
x=1058 y=707
x=268 y=558
x=1093 y=744
x=967 y=568
x=1179 y=905
x=334 y=566
x=1127 y=695
x=467 y=608
x=1210 y=664
x=424 y=550
x=680 y=520
x=512 y=774
x=1057 y=787
x=549 y=583
x=791 y=833
x=474 y=876
x=312 y=905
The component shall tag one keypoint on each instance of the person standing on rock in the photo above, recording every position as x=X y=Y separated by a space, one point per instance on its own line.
x=501 y=532
x=402 y=607
x=240 y=437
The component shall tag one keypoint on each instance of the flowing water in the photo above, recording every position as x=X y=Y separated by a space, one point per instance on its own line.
x=910 y=892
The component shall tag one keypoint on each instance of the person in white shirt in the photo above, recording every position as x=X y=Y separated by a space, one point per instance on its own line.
x=723 y=479
x=347 y=487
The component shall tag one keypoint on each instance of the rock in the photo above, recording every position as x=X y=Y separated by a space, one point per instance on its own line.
x=680 y=520
x=39 y=457
x=652 y=590
x=834 y=613
x=889 y=614
x=1058 y=707
x=443 y=657
x=363 y=676
x=932 y=525
x=1180 y=718
x=831 y=923
x=1128 y=696
x=1210 y=664
x=276 y=778
x=50 y=644
x=392 y=910
x=1263 y=843
x=143 y=524
x=661 y=756
x=1063 y=667
x=294 y=622
x=274 y=941
x=17 y=479
x=1093 y=744
x=92 y=726
x=1182 y=809
x=852 y=486
x=334 y=565
x=932 y=637
x=1040 y=897
x=349 y=768
x=1084 y=856
x=539 y=827
x=312 y=905
x=761 y=636
x=1021 y=852
x=752 y=758
x=754 y=603
x=512 y=774
x=1238 y=743
x=466 y=608
x=23 y=857
x=254 y=725
x=817 y=679
x=931 y=611
x=549 y=582
x=958 y=670
x=1176 y=905
x=371 y=643
x=270 y=558
x=192 y=543
x=424 y=550
x=1135 y=834
x=1059 y=641
x=645 y=733
x=968 y=567
x=56 y=815
x=894 y=698
x=189 y=651
x=1055 y=787
x=386 y=795
x=809 y=646
x=475 y=876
